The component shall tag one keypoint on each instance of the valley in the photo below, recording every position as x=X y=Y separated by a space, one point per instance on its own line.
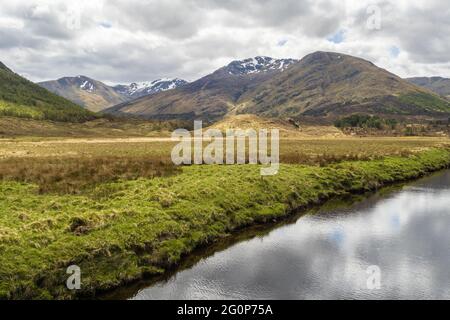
x=100 y=190
x=121 y=210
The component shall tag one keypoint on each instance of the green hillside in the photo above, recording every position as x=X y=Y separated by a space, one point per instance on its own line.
x=22 y=98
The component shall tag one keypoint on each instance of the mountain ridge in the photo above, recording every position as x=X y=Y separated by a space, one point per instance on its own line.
x=439 y=85
x=137 y=90
x=211 y=96
x=320 y=85
x=84 y=91
x=96 y=95
x=329 y=83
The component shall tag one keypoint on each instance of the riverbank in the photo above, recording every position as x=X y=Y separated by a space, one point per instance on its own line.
x=122 y=231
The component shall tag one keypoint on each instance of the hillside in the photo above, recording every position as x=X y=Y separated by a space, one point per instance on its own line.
x=3 y=67
x=210 y=97
x=22 y=98
x=13 y=127
x=438 y=85
x=329 y=85
x=322 y=86
x=96 y=96
x=87 y=92
x=287 y=129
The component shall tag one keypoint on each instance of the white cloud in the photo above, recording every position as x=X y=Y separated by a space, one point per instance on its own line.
x=123 y=41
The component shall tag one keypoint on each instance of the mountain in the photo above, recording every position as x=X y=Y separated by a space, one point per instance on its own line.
x=92 y=94
x=22 y=98
x=96 y=96
x=258 y=65
x=328 y=85
x=210 y=97
x=137 y=90
x=438 y=85
x=323 y=85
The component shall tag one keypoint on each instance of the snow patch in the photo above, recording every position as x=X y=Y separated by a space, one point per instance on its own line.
x=258 y=65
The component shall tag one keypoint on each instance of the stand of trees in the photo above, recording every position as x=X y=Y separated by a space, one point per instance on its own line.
x=365 y=121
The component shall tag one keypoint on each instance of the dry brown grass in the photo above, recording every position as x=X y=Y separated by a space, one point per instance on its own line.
x=286 y=128
x=11 y=127
x=73 y=166
x=75 y=175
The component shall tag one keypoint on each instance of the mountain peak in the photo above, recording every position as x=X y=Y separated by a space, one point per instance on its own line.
x=139 y=89
x=326 y=58
x=323 y=85
x=82 y=82
x=322 y=57
x=258 y=64
x=96 y=95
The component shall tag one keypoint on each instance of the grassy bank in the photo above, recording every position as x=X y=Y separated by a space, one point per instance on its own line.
x=120 y=231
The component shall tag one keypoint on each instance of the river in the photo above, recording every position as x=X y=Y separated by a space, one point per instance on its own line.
x=393 y=244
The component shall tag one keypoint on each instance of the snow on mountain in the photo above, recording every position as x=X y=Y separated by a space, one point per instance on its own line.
x=87 y=86
x=140 y=89
x=258 y=64
x=96 y=95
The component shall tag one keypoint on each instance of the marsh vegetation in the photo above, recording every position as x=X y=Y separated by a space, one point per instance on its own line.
x=120 y=210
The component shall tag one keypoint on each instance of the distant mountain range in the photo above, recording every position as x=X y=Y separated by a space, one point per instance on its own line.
x=96 y=96
x=438 y=85
x=210 y=97
x=322 y=85
x=22 y=98
x=137 y=90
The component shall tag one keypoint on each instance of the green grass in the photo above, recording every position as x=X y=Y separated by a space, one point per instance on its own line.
x=123 y=230
x=22 y=98
x=43 y=111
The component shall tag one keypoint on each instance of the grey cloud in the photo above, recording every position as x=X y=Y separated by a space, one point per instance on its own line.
x=176 y=18
x=421 y=31
x=183 y=19
x=103 y=63
x=13 y=38
x=43 y=20
x=313 y=18
x=189 y=38
x=426 y=34
x=45 y=24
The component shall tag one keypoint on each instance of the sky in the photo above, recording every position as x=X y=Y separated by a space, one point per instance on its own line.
x=124 y=41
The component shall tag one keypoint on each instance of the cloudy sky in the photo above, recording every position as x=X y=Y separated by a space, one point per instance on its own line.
x=121 y=41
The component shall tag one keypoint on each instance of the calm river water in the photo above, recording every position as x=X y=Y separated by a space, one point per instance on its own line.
x=326 y=253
